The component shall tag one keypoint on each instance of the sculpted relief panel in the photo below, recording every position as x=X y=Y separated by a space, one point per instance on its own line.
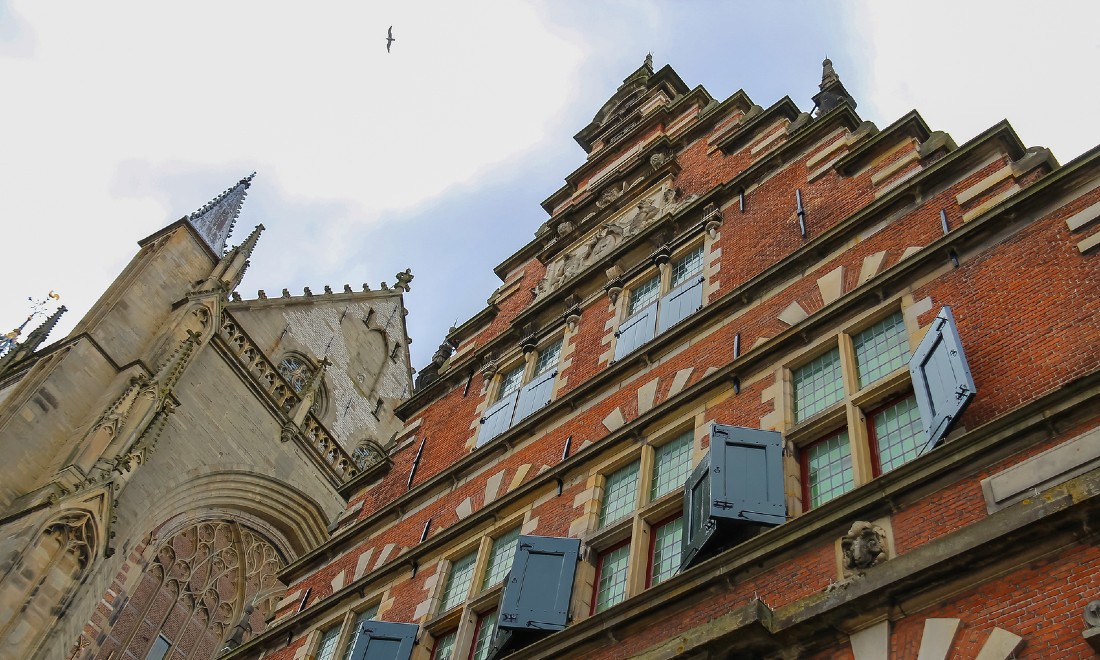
x=601 y=241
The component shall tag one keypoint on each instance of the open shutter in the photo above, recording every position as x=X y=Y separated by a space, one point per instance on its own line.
x=540 y=584
x=535 y=394
x=382 y=640
x=698 y=525
x=941 y=378
x=497 y=419
x=680 y=303
x=635 y=331
x=747 y=474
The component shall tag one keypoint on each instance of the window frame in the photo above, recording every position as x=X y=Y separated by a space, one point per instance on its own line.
x=653 y=546
x=856 y=407
x=344 y=624
x=527 y=365
x=664 y=267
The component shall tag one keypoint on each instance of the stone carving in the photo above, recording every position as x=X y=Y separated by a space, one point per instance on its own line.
x=430 y=373
x=608 y=196
x=863 y=546
x=564 y=227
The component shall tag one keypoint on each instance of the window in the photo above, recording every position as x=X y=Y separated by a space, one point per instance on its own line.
x=330 y=641
x=522 y=390
x=671 y=465
x=160 y=649
x=353 y=633
x=666 y=550
x=620 y=494
x=445 y=646
x=611 y=573
x=638 y=537
x=459 y=580
x=863 y=377
x=660 y=301
x=343 y=634
x=500 y=558
x=483 y=635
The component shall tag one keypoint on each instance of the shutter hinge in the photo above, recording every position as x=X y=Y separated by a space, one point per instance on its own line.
x=961 y=392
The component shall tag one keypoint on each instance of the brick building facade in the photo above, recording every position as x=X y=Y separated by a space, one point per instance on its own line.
x=880 y=347
x=767 y=384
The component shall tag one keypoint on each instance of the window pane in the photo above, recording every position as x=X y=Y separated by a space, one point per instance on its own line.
x=817 y=385
x=548 y=358
x=160 y=648
x=666 y=550
x=671 y=465
x=620 y=493
x=511 y=381
x=899 y=433
x=643 y=294
x=829 y=468
x=500 y=559
x=365 y=615
x=881 y=349
x=458 y=583
x=445 y=646
x=485 y=626
x=612 y=586
x=326 y=650
x=686 y=266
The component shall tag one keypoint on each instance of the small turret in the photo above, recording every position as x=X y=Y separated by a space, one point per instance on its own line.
x=832 y=91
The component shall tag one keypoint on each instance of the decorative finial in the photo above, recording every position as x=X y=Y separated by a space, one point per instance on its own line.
x=832 y=91
x=649 y=60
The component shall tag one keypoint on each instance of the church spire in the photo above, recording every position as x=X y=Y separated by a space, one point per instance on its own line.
x=214 y=221
x=832 y=91
x=33 y=340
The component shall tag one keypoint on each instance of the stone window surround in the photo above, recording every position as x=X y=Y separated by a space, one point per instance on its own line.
x=529 y=360
x=855 y=409
x=664 y=270
x=462 y=618
x=636 y=528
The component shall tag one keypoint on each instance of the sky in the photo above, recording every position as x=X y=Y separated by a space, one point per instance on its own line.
x=121 y=117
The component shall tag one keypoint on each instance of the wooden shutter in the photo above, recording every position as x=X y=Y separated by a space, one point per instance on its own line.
x=540 y=584
x=635 y=331
x=382 y=640
x=698 y=526
x=497 y=419
x=747 y=475
x=941 y=378
x=535 y=394
x=680 y=303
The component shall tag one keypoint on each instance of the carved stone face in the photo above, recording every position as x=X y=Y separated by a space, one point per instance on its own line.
x=863 y=546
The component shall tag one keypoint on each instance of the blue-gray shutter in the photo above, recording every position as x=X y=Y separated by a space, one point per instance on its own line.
x=698 y=526
x=535 y=394
x=382 y=640
x=747 y=474
x=540 y=584
x=635 y=331
x=941 y=378
x=680 y=303
x=497 y=419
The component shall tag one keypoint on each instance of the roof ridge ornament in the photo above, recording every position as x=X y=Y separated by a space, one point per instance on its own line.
x=832 y=92
x=214 y=220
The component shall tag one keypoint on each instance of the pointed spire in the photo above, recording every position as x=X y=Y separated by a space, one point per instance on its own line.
x=832 y=91
x=33 y=341
x=641 y=73
x=215 y=220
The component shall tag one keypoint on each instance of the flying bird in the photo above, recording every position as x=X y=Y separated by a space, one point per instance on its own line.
x=389 y=38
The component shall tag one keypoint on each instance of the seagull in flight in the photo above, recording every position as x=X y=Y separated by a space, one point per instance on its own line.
x=389 y=38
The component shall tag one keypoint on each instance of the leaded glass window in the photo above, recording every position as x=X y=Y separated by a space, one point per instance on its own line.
x=620 y=494
x=667 y=549
x=483 y=637
x=500 y=558
x=361 y=618
x=296 y=371
x=548 y=358
x=326 y=649
x=817 y=385
x=829 y=468
x=671 y=465
x=686 y=266
x=898 y=433
x=511 y=381
x=458 y=582
x=644 y=294
x=611 y=586
x=445 y=646
x=881 y=348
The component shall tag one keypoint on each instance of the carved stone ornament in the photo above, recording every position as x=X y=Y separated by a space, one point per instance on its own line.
x=608 y=196
x=571 y=321
x=863 y=546
x=288 y=432
x=614 y=289
x=564 y=227
x=489 y=368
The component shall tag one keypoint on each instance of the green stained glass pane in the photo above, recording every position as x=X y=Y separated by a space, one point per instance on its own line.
x=500 y=558
x=611 y=588
x=899 y=434
x=458 y=582
x=671 y=465
x=829 y=468
x=620 y=494
x=881 y=349
x=666 y=550
x=817 y=385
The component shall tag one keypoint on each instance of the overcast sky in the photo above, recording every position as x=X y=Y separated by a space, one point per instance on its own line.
x=121 y=117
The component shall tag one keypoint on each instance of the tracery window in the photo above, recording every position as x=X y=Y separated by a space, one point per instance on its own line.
x=296 y=371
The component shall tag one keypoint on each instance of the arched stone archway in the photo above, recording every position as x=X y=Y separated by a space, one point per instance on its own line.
x=203 y=580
